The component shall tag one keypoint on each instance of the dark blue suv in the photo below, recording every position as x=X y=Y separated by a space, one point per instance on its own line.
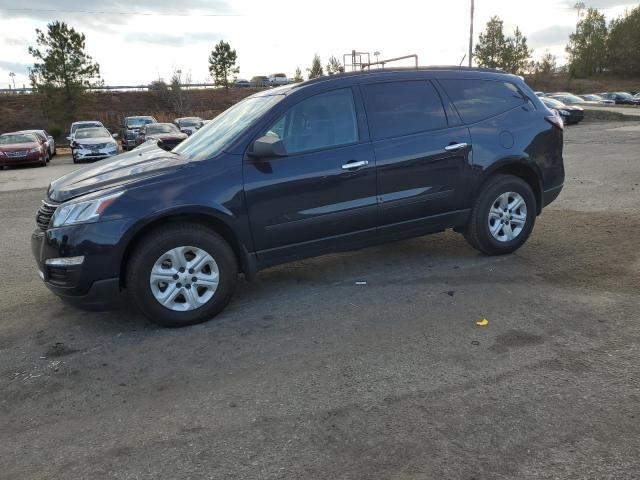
x=332 y=164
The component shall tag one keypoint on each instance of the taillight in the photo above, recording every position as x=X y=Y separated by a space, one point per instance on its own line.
x=555 y=120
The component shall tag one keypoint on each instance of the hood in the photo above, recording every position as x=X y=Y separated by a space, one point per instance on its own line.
x=94 y=141
x=18 y=147
x=167 y=136
x=144 y=162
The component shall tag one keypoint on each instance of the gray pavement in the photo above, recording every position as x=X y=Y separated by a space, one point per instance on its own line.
x=309 y=375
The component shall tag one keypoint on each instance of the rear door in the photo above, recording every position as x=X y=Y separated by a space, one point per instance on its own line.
x=420 y=153
x=322 y=194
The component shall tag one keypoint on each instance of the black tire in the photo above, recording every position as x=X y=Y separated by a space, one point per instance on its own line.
x=478 y=234
x=163 y=239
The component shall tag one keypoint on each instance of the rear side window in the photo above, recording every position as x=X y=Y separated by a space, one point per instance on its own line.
x=402 y=108
x=323 y=121
x=480 y=99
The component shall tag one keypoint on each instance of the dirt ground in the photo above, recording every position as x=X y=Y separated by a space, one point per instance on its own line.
x=310 y=375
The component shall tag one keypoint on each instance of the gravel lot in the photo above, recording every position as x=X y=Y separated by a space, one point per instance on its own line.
x=308 y=375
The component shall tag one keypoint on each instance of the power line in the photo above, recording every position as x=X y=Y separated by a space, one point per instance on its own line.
x=96 y=12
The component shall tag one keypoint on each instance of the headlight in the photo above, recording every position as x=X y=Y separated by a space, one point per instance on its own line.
x=564 y=112
x=82 y=212
x=35 y=150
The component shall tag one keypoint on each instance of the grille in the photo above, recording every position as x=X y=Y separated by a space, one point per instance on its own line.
x=20 y=153
x=43 y=217
x=95 y=146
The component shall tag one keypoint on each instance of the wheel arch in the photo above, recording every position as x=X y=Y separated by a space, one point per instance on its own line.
x=246 y=261
x=519 y=169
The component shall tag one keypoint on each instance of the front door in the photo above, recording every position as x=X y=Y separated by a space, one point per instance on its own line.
x=322 y=194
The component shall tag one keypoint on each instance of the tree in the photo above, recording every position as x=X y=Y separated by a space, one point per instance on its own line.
x=516 y=53
x=62 y=66
x=316 y=67
x=222 y=64
x=493 y=50
x=297 y=77
x=624 y=44
x=489 y=51
x=334 y=66
x=587 y=47
x=546 y=65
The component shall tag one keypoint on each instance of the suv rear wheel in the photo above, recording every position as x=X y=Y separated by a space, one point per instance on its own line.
x=503 y=216
x=181 y=274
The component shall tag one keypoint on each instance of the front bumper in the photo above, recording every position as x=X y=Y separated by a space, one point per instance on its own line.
x=94 y=284
x=23 y=160
x=85 y=154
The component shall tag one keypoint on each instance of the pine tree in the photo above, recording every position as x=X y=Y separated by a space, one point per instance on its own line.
x=316 y=68
x=222 y=64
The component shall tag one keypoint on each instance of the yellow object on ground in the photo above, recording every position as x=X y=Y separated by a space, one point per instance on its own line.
x=482 y=323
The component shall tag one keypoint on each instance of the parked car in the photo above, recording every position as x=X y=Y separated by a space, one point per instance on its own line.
x=259 y=81
x=567 y=98
x=570 y=113
x=18 y=148
x=93 y=144
x=327 y=165
x=540 y=94
x=168 y=133
x=42 y=138
x=242 y=83
x=188 y=125
x=278 y=79
x=621 y=98
x=597 y=99
x=75 y=126
x=130 y=127
x=49 y=140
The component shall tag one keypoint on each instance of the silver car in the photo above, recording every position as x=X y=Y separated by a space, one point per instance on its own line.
x=93 y=144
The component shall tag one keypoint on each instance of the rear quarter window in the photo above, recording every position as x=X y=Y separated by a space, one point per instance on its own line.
x=478 y=100
x=401 y=108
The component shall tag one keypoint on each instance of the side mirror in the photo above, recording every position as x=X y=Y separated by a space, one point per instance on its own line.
x=69 y=138
x=268 y=146
x=115 y=135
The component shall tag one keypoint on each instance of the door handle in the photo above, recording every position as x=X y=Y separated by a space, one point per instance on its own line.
x=455 y=146
x=352 y=165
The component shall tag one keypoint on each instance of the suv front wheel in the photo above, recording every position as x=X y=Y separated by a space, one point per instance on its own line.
x=503 y=216
x=181 y=274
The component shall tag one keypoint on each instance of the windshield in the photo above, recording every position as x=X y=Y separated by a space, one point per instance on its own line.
x=216 y=134
x=139 y=121
x=190 y=122
x=85 y=125
x=162 y=128
x=16 y=138
x=92 y=133
x=624 y=95
x=550 y=102
x=570 y=99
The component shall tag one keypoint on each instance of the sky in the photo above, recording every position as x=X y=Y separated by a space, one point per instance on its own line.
x=136 y=42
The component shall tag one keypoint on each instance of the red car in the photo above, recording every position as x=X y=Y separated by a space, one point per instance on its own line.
x=22 y=148
x=167 y=132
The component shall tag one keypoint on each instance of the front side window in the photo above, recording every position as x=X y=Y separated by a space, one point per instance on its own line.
x=478 y=100
x=395 y=109
x=323 y=121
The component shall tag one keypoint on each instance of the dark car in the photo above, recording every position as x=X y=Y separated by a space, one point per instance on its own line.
x=20 y=148
x=129 y=130
x=93 y=144
x=168 y=133
x=567 y=98
x=331 y=164
x=188 y=125
x=621 y=98
x=570 y=114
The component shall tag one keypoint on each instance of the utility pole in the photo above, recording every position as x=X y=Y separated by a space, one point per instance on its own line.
x=13 y=77
x=471 y=36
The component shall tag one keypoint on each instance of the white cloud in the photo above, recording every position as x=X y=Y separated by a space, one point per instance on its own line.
x=272 y=37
